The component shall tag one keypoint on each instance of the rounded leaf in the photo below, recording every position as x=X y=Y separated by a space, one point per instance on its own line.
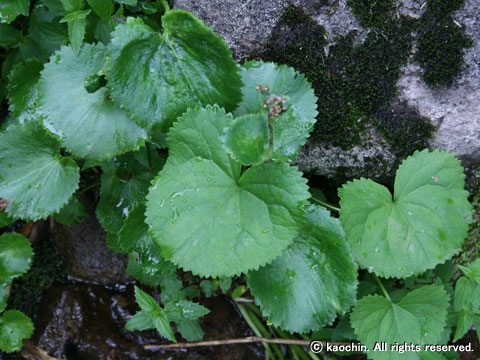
x=304 y=288
x=210 y=218
x=423 y=225
x=14 y=327
x=292 y=127
x=35 y=180
x=88 y=123
x=15 y=256
x=246 y=139
x=185 y=66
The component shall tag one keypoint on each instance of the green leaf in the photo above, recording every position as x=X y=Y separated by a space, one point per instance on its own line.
x=72 y=5
x=35 y=180
x=10 y=9
x=75 y=15
x=124 y=184
x=190 y=330
x=72 y=213
x=103 y=8
x=14 y=327
x=419 y=318
x=127 y=2
x=9 y=36
x=207 y=216
x=464 y=323
x=76 y=32
x=184 y=310
x=303 y=289
x=186 y=66
x=151 y=316
x=15 y=256
x=422 y=226
x=246 y=139
x=472 y=270
x=292 y=127
x=6 y=220
x=88 y=124
x=467 y=295
x=135 y=270
x=23 y=90
x=171 y=289
x=134 y=230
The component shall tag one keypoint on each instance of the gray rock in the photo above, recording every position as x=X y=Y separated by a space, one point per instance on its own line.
x=244 y=24
x=454 y=111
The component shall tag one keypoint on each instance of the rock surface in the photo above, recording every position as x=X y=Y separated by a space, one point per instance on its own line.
x=454 y=111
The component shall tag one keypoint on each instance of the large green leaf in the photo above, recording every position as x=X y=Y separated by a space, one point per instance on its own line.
x=9 y=36
x=10 y=9
x=14 y=327
x=124 y=184
x=419 y=318
x=23 y=90
x=156 y=77
x=15 y=256
x=88 y=123
x=422 y=226
x=35 y=180
x=210 y=218
x=292 y=127
x=303 y=289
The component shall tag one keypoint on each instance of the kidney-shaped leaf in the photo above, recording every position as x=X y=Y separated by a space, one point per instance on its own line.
x=422 y=226
x=156 y=77
x=418 y=318
x=35 y=180
x=14 y=327
x=292 y=127
x=210 y=218
x=15 y=256
x=304 y=288
x=88 y=123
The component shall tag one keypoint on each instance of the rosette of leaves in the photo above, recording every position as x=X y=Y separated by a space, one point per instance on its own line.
x=77 y=108
x=313 y=280
x=156 y=77
x=210 y=216
x=423 y=224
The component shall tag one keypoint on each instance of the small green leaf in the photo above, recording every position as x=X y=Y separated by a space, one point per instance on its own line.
x=35 y=180
x=23 y=90
x=303 y=289
x=89 y=125
x=134 y=230
x=207 y=287
x=190 y=330
x=75 y=15
x=187 y=65
x=292 y=127
x=422 y=226
x=127 y=2
x=464 y=323
x=472 y=270
x=103 y=8
x=238 y=291
x=72 y=212
x=10 y=9
x=14 y=327
x=172 y=289
x=467 y=295
x=184 y=310
x=76 y=32
x=6 y=220
x=9 y=36
x=15 y=256
x=246 y=139
x=72 y=5
x=217 y=221
x=151 y=316
x=419 y=318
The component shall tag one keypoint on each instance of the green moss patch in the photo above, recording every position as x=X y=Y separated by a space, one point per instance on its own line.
x=441 y=47
x=440 y=8
x=404 y=129
x=353 y=81
x=372 y=13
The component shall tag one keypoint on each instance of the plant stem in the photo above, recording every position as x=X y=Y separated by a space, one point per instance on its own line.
x=383 y=288
x=255 y=330
x=328 y=206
